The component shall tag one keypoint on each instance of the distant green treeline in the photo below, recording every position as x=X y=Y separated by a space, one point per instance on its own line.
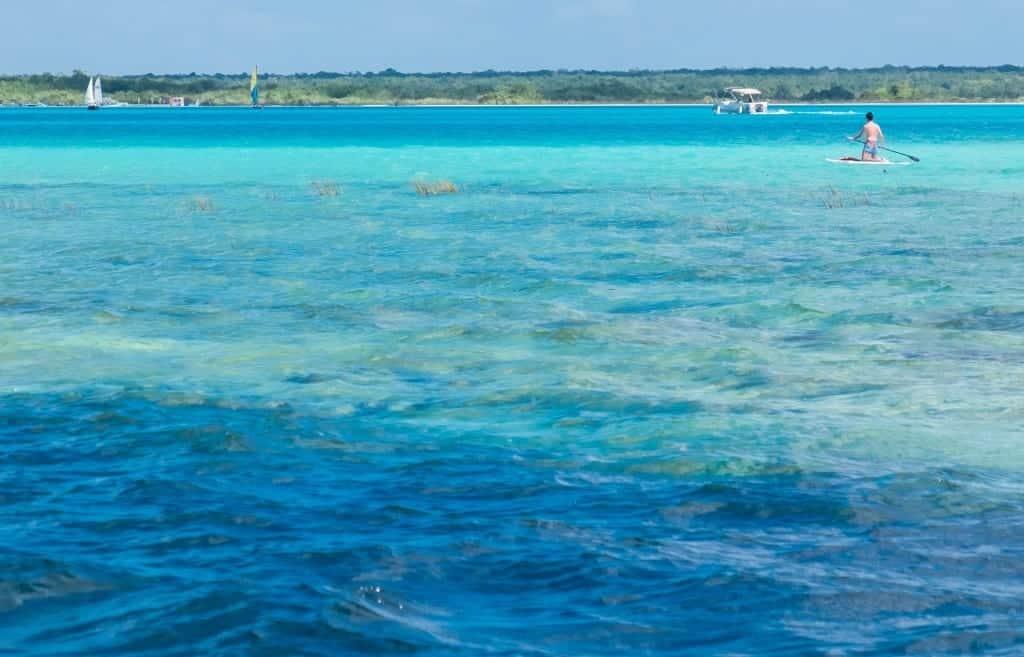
x=886 y=84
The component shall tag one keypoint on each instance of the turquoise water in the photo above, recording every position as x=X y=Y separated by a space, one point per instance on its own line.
x=654 y=382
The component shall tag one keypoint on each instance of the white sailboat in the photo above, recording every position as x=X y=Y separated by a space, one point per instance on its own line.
x=94 y=94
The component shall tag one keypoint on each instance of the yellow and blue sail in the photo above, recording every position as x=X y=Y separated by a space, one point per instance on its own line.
x=254 y=87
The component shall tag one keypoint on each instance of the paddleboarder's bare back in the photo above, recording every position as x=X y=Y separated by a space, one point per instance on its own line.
x=872 y=135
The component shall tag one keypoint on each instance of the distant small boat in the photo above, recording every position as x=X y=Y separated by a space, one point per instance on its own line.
x=254 y=88
x=741 y=100
x=94 y=94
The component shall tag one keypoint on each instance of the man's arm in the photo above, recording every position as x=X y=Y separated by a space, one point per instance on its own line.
x=881 y=136
x=858 y=135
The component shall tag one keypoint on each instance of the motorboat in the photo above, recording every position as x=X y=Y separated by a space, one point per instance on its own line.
x=741 y=100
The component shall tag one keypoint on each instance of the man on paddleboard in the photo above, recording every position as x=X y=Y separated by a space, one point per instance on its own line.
x=872 y=134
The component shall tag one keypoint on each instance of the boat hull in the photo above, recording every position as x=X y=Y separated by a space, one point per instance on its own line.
x=93 y=107
x=741 y=108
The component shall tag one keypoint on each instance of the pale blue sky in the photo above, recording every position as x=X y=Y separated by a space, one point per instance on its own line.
x=139 y=36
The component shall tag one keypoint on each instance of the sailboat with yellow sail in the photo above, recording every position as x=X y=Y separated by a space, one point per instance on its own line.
x=254 y=88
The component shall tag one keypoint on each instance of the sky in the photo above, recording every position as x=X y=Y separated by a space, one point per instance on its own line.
x=286 y=36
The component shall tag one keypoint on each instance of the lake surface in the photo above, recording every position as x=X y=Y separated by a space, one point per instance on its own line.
x=653 y=382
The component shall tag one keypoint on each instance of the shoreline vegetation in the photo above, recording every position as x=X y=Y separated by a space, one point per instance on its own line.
x=889 y=84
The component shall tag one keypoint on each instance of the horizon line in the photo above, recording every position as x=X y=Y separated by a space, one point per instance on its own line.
x=387 y=72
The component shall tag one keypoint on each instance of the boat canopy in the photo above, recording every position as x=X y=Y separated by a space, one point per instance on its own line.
x=743 y=91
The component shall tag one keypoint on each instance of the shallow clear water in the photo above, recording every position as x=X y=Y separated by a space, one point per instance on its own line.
x=653 y=382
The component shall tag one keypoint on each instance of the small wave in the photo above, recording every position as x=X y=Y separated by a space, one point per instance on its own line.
x=374 y=619
x=986 y=319
x=831 y=113
x=51 y=580
x=306 y=379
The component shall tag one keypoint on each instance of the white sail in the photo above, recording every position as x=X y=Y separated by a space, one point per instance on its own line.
x=90 y=94
x=98 y=91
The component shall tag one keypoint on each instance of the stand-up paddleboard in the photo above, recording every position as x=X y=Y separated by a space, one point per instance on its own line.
x=870 y=162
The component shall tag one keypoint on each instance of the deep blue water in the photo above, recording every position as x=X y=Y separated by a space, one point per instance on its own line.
x=653 y=382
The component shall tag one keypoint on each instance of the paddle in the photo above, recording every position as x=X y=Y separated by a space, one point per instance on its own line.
x=915 y=159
